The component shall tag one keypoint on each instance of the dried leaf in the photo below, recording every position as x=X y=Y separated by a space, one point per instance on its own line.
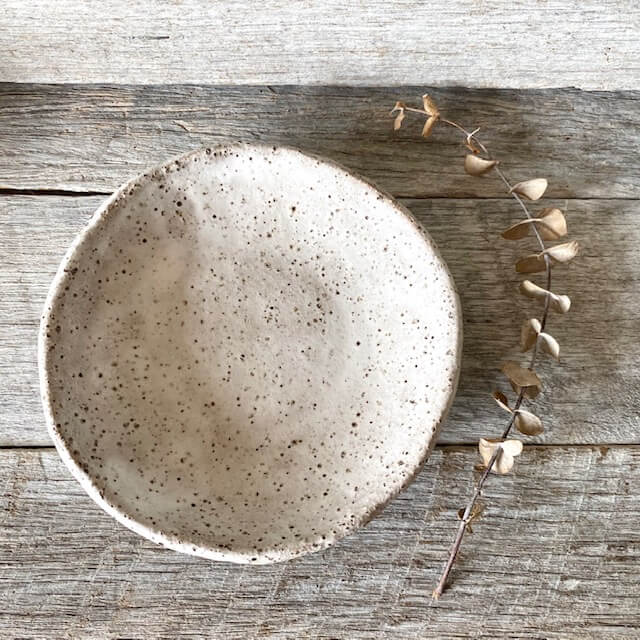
x=564 y=252
x=562 y=304
x=532 y=290
x=502 y=400
x=397 y=123
x=553 y=224
x=529 y=333
x=550 y=345
x=469 y=143
x=428 y=125
x=512 y=447
x=487 y=449
x=399 y=107
x=530 y=391
x=531 y=189
x=528 y=423
x=517 y=231
x=521 y=378
x=531 y=264
x=476 y=512
x=504 y=462
x=476 y=166
x=429 y=105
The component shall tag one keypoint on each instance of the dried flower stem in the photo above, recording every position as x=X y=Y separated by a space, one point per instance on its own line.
x=464 y=522
x=479 y=167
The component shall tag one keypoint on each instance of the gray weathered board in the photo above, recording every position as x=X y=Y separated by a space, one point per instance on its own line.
x=557 y=554
x=556 y=557
x=522 y=43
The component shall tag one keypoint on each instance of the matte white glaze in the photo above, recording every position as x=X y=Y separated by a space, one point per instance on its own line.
x=248 y=352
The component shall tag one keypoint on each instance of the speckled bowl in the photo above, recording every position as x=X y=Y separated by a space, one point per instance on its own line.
x=248 y=352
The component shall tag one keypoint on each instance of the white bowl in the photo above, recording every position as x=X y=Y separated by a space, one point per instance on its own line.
x=248 y=352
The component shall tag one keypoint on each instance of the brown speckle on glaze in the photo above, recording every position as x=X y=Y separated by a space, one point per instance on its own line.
x=248 y=352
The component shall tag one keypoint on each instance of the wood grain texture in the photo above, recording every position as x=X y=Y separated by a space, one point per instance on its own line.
x=556 y=556
x=521 y=44
x=95 y=138
x=558 y=553
x=590 y=397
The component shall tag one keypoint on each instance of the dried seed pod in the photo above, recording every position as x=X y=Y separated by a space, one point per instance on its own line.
x=531 y=189
x=562 y=304
x=549 y=345
x=504 y=462
x=529 y=333
x=429 y=105
x=528 y=423
x=429 y=124
x=531 y=264
x=502 y=400
x=563 y=252
x=476 y=166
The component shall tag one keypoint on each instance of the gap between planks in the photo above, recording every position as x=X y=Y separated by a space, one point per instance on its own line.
x=69 y=193
x=14 y=191
x=93 y=138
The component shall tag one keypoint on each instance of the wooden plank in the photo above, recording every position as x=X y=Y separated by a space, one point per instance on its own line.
x=556 y=555
x=95 y=138
x=591 y=397
x=521 y=44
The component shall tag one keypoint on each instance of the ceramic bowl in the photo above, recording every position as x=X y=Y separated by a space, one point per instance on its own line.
x=248 y=352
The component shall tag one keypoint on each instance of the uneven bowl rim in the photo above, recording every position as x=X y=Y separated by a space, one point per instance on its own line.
x=155 y=534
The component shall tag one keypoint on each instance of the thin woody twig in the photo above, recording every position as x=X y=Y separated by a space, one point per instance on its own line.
x=464 y=524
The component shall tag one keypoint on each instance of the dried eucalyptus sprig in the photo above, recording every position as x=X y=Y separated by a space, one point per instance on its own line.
x=549 y=225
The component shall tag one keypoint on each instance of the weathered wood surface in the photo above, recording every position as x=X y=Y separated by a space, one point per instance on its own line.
x=95 y=138
x=592 y=396
x=556 y=556
x=520 y=44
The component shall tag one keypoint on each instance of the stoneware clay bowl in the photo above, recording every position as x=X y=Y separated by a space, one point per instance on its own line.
x=248 y=352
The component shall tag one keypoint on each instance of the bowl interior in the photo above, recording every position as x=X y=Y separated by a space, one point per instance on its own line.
x=248 y=352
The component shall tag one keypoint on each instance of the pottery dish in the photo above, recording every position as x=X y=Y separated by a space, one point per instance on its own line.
x=248 y=352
